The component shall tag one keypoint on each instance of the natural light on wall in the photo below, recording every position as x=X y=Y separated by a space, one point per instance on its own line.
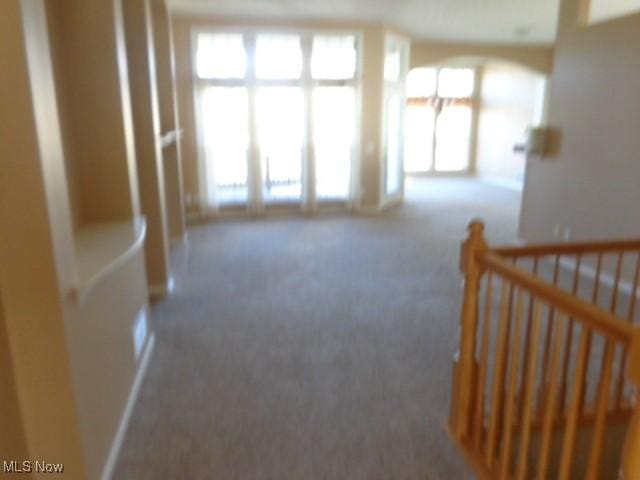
x=602 y=10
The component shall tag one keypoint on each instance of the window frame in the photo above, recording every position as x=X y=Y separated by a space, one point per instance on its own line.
x=438 y=102
x=252 y=83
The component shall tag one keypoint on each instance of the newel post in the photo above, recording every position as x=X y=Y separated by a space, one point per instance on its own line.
x=630 y=469
x=464 y=363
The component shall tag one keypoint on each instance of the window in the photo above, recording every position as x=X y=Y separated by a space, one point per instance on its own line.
x=221 y=56
x=455 y=82
x=225 y=124
x=333 y=137
x=278 y=57
x=422 y=82
x=333 y=57
x=280 y=118
x=439 y=118
x=394 y=94
x=271 y=131
x=392 y=65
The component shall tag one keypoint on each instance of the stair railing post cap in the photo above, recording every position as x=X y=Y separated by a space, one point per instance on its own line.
x=475 y=226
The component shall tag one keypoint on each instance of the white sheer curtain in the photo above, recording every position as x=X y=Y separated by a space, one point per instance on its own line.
x=333 y=57
x=278 y=57
x=221 y=55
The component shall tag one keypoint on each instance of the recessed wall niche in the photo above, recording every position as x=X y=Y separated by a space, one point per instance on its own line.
x=89 y=62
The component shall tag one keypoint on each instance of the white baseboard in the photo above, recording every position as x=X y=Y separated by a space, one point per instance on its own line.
x=161 y=290
x=112 y=458
x=502 y=182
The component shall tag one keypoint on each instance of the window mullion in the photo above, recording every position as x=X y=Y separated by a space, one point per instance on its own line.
x=256 y=195
x=436 y=114
x=309 y=197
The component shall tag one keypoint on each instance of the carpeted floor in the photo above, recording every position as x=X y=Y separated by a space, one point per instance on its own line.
x=312 y=349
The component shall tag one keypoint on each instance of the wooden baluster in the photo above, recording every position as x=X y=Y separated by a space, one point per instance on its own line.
x=551 y=395
x=625 y=352
x=498 y=375
x=464 y=362
x=630 y=469
x=573 y=413
x=527 y=335
x=602 y=408
x=530 y=378
x=616 y=285
x=568 y=347
x=596 y=285
x=612 y=309
x=514 y=368
x=482 y=371
x=547 y=340
x=634 y=293
x=594 y=300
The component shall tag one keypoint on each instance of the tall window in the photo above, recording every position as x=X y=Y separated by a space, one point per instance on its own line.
x=439 y=117
x=277 y=115
x=395 y=68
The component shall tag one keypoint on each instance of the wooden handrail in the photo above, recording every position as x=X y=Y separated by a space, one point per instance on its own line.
x=630 y=468
x=485 y=415
x=593 y=317
x=568 y=248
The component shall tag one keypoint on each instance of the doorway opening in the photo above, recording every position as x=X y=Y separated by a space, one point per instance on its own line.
x=440 y=103
x=470 y=117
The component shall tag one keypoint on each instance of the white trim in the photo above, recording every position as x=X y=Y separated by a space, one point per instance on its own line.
x=511 y=184
x=118 y=440
x=389 y=89
x=161 y=290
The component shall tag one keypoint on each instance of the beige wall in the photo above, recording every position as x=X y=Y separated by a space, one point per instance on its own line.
x=13 y=444
x=35 y=224
x=169 y=121
x=591 y=184
x=511 y=100
x=98 y=134
x=429 y=53
x=72 y=363
x=146 y=121
x=102 y=355
x=372 y=66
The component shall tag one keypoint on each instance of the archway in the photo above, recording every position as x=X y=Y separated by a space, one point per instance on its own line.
x=469 y=115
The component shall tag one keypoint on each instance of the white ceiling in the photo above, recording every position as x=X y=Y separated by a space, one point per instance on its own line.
x=487 y=21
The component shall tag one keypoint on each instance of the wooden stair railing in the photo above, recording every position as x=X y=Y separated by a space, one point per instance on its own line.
x=548 y=360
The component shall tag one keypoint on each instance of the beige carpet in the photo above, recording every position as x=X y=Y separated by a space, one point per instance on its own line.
x=297 y=348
